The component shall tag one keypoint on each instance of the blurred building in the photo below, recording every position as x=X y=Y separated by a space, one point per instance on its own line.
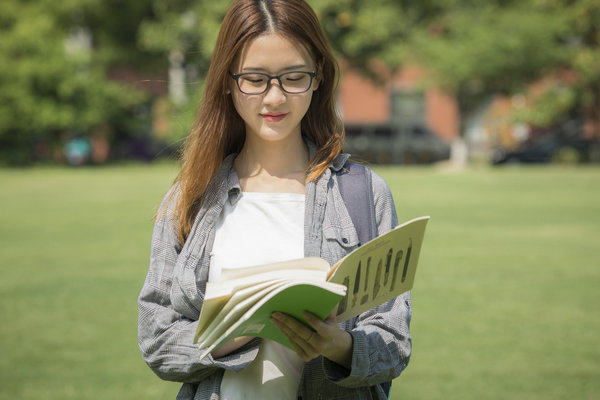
x=393 y=118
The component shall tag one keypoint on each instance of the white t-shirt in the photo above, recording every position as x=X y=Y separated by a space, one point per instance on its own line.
x=261 y=228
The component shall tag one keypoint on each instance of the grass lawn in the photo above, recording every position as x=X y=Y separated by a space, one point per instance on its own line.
x=506 y=299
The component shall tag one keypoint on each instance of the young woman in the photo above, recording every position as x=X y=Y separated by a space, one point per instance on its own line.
x=259 y=184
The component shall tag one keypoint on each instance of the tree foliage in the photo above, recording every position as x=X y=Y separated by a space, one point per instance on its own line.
x=53 y=84
x=579 y=95
x=53 y=78
x=476 y=50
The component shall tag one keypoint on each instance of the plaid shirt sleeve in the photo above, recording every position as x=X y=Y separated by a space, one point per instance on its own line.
x=165 y=336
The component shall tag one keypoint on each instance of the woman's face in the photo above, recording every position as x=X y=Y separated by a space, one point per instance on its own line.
x=274 y=115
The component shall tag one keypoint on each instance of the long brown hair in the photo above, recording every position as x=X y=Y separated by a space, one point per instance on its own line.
x=219 y=131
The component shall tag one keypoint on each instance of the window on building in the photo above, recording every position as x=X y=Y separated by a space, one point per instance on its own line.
x=408 y=107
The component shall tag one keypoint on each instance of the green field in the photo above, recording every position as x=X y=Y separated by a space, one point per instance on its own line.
x=506 y=299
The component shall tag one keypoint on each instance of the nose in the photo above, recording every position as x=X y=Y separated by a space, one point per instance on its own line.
x=274 y=93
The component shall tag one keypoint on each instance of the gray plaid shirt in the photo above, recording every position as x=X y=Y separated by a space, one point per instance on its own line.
x=171 y=298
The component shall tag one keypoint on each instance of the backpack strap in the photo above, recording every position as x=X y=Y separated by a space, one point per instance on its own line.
x=354 y=182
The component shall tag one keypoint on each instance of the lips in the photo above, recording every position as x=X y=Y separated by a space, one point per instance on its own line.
x=273 y=117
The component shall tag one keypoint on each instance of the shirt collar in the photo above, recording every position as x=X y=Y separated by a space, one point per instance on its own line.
x=337 y=163
x=228 y=175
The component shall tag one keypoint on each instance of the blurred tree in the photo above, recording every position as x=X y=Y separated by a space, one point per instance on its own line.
x=53 y=76
x=577 y=91
x=359 y=31
x=477 y=49
x=55 y=57
x=184 y=33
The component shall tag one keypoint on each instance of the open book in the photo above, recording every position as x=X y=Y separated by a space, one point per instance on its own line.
x=369 y=276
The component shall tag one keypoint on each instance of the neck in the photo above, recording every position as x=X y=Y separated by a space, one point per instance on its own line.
x=272 y=167
x=273 y=159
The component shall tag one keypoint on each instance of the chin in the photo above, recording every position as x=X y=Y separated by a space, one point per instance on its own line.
x=275 y=135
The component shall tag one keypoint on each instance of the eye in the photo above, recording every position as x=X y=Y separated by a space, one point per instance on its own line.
x=294 y=77
x=254 y=79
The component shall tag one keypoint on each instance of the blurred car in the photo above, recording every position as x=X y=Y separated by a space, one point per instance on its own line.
x=387 y=144
x=562 y=142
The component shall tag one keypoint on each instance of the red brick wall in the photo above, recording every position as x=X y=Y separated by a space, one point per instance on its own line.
x=361 y=101
x=442 y=114
x=364 y=102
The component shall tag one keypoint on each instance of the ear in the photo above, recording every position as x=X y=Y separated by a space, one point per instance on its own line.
x=317 y=79
x=316 y=82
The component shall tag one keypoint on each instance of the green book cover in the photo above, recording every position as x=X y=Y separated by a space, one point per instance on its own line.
x=292 y=299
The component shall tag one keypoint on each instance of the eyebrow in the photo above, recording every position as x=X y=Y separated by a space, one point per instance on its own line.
x=265 y=70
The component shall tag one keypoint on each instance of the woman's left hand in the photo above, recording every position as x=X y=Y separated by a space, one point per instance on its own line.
x=327 y=338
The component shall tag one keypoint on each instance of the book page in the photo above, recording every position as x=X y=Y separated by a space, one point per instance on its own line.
x=291 y=298
x=219 y=293
x=245 y=277
x=233 y=310
x=307 y=263
x=379 y=270
x=220 y=306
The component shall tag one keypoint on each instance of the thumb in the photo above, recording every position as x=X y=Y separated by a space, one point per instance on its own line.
x=332 y=315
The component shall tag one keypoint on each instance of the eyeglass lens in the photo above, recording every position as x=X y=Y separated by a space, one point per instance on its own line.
x=292 y=82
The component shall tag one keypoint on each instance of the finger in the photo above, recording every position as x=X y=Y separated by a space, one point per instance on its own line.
x=312 y=319
x=323 y=328
x=293 y=323
x=333 y=313
x=300 y=344
x=292 y=328
x=312 y=343
x=297 y=330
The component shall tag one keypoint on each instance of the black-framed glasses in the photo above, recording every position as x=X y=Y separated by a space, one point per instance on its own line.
x=294 y=82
